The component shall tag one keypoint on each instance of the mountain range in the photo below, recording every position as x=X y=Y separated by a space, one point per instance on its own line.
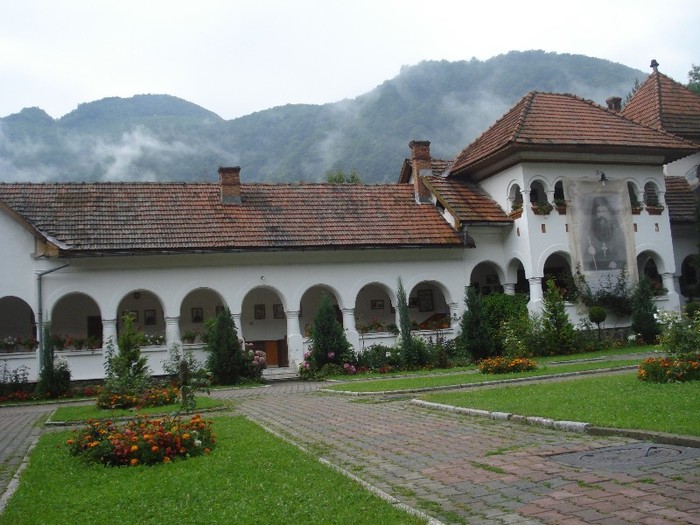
x=165 y=138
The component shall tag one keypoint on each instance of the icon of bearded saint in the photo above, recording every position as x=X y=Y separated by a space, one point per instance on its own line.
x=605 y=243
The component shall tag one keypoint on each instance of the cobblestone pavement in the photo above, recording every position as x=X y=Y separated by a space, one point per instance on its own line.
x=456 y=468
x=462 y=469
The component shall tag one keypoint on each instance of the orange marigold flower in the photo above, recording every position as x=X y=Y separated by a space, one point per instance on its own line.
x=207 y=451
x=70 y=442
x=134 y=461
x=183 y=450
x=134 y=448
x=185 y=436
x=154 y=448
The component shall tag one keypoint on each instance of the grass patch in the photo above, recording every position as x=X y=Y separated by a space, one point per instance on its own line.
x=489 y=468
x=441 y=380
x=251 y=477
x=620 y=401
x=84 y=412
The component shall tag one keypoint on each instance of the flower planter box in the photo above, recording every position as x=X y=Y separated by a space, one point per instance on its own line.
x=516 y=214
x=654 y=210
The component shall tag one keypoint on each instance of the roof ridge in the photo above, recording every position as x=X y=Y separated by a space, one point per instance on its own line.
x=522 y=117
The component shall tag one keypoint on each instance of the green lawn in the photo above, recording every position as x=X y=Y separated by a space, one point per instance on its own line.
x=83 y=412
x=469 y=377
x=620 y=401
x=251 y=477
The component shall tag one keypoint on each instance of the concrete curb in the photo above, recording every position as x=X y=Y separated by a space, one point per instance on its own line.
x=567 y=426
x=14 y=482
x=480 y=384
x=50 y=423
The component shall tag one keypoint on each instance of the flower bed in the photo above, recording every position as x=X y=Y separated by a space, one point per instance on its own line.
x=669 y=369
x=143 y=441
x=153 y=397
x=505 y=365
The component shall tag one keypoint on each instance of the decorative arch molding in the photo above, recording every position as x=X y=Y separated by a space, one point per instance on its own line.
x=182 y=293
x=296 y=298
x=518 y=258
x=267 y=287
x=103 y=299
x=496 y=266
x=645 y=255
x=372 y=280
x=663 y=264
x=417 y=280
x=558 y=249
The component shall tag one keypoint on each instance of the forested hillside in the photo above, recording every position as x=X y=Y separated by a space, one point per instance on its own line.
x=160 y=137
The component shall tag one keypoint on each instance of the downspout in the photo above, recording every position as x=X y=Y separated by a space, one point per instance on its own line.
x=40 y=314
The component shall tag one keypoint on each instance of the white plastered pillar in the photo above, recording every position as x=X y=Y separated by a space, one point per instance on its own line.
x=295 y=342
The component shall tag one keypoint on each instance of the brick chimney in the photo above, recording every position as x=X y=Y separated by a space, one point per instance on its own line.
x=421 y=167
x=230 y=179
x=614 y=104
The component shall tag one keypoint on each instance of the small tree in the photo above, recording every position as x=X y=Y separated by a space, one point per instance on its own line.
x=558 y=333
x=126 y=370
x=597 y=315
x=339 y=177
x=475 y=334
x=188 y=373
x=54 y=378
x=225 y=355
x=644 y=312
x=330 y=346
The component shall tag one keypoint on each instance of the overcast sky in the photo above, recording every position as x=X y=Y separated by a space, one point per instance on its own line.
x=236 y=57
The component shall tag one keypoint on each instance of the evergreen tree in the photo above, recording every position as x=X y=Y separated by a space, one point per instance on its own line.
x=644 y=311
x=329 y=342
x=225 y=360
x=54 y=379
x=475 y=336
x=558 y=333
x=694 y=79
x=404 y=317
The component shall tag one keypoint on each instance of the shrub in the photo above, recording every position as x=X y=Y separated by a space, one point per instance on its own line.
x=188 y=373
x=475 y=337
x=613 y=295
x=127 y=376
x=144 y=441
x=692 y=308
x=505 y=365
x=329 y=344
x=500 y=308
x=669 y=369
x=680 y=335
x=376 y=357
x=412 y=353
x=558 y=333
x=225 y=356
x=14 y=383
x=644 y=312
x=54 y=378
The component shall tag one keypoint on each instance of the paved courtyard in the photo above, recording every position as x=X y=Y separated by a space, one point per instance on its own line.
x=459 y=469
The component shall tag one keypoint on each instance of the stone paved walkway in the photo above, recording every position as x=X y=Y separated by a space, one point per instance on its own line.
x=456 y=468
x=471 y=470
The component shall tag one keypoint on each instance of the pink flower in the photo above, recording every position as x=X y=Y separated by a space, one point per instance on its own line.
x=331 y=355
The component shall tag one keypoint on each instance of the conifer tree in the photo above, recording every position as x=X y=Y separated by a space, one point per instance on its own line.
x=475 y=336
x=225 y=360
x=329 y=342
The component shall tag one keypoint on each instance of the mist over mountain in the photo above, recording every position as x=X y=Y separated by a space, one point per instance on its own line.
x=164 y=138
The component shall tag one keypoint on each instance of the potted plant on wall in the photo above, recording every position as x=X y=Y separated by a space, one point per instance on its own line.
x=655 y=209
x=516 y=209
x=189 y=336
x=542 y=208
x=560 y=204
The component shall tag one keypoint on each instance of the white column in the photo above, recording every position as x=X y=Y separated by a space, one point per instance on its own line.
x=109 y=334
x=535 y=304
x=295 y=341
x=351 y=333
x=509 y=288
x=672 y=296
x=172 y=331
x=237 y=322
x=454 y=317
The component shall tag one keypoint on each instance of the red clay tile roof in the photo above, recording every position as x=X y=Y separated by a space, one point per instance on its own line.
x=662 y=103
x=466 y=201
x=681 y=201
x=150 y=217
x=551 y=122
